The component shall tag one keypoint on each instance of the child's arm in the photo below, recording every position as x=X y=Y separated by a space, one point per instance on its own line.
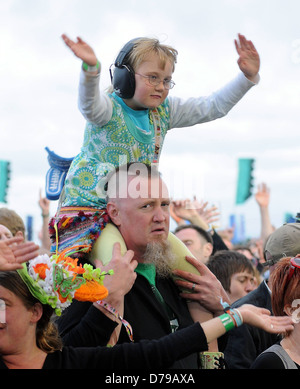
x=95 y=107
x=196 y=110
x=218 y=104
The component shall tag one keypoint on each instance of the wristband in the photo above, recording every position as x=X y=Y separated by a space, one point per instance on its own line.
x=225 y=305
x=113 y=311
x=234 y=313
x=236 y=316
x=227 y=321
x=232 y=318
x=89 y=68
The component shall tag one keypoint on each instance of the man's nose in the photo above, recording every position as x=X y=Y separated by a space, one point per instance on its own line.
x=159 y=215
x=250 y=286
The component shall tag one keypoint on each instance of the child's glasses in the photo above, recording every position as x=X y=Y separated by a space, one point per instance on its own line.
x=154 y=81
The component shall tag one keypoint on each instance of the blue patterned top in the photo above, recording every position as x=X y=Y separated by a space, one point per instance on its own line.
x=129 y=136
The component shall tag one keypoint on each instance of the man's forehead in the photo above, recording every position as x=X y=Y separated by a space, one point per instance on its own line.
x=4 y=229
x=147 y=187
x=140 y=187
x=188 y=233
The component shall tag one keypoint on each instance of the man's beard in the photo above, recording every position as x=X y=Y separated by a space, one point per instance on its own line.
x=160 y=254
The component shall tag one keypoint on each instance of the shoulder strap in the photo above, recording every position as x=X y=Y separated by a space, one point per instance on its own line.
x=157 y=130
x=283 y=355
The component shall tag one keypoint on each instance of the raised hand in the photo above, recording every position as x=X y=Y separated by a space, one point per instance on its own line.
x=195 y=212
x=262 y=196
x=81 y=49
x=261 y=318
x=248 y=61
x=13 y=252
x=209 y=215
x=44 y=204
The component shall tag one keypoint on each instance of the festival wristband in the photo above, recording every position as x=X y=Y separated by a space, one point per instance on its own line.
x=225 y=305
x=89 y=68
x=232 y=318
x=236 y=316
x=114 y=312
x=227 y=321
x=234 y=313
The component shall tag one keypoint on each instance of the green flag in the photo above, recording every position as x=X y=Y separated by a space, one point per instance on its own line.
x=244 y=182
x=4 y=179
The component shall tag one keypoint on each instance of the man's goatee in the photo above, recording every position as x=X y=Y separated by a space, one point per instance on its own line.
x=161 y=255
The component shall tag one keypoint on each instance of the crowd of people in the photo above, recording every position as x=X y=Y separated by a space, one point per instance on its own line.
x=111 y=286
x=149 y=302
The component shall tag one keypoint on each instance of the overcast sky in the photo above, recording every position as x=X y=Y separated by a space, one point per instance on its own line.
x=39 y=83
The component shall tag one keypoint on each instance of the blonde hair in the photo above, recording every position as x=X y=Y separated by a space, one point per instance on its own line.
x=143 y=47
x=11 y=220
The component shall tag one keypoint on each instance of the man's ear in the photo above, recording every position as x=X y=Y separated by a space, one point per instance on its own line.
x=19 y=234
x=114 y=213
x=208 y=249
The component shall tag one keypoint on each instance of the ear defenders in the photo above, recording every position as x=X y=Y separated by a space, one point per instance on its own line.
x=123 y=79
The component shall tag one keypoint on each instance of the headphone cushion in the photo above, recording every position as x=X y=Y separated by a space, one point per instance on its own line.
x=124 y=82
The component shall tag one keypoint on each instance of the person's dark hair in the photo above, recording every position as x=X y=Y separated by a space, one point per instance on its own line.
x=225 y=263
x=47 y=337
x=206 y=235
x=242 y=247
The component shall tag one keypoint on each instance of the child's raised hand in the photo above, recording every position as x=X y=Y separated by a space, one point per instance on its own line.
x=248 y=61
x=81 y=49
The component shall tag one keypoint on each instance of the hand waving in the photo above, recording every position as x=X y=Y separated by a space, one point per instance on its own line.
x=13 y=252
x=81 y=49
x=262 y=196
x=248 y=61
